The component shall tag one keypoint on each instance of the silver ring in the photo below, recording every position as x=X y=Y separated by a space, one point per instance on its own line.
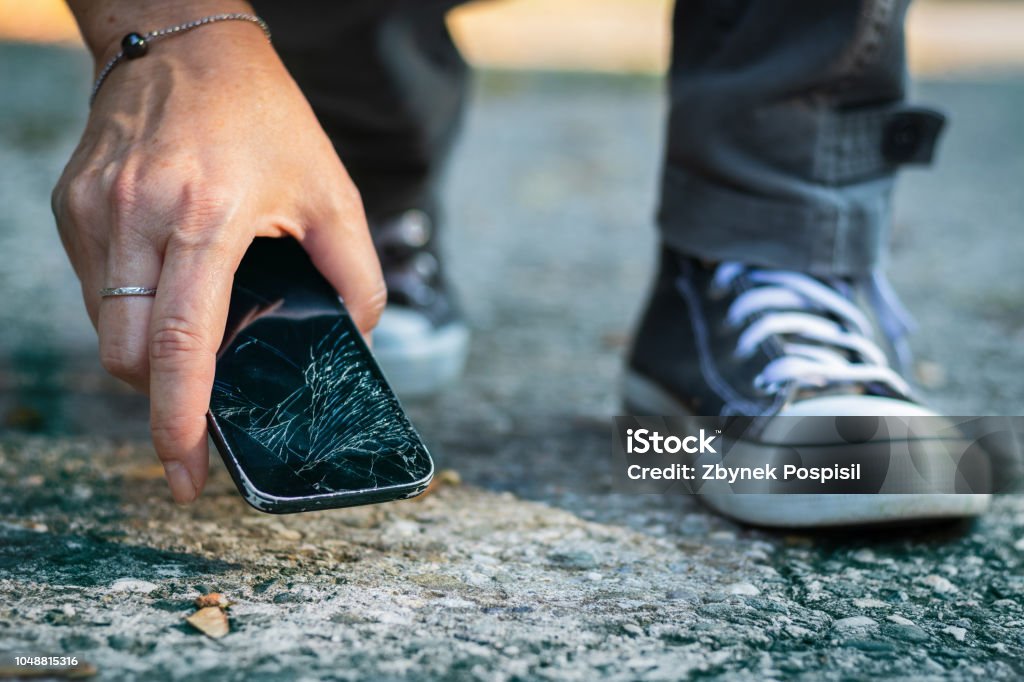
x=127 y=291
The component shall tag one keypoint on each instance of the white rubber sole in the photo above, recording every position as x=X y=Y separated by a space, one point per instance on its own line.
x=425 y=367
x=643 y=397
x=828 y=510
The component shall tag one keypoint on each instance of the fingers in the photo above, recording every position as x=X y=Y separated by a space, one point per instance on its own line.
x=341 y=249
x=186 y=328
x=78 y=217
x=123 y=323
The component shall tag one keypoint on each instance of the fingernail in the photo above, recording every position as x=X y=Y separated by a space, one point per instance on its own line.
x=180 y=481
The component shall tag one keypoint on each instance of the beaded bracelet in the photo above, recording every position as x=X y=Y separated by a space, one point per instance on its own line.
x=135 y=45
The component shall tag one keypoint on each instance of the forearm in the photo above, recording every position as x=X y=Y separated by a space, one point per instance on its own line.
x=104 y=22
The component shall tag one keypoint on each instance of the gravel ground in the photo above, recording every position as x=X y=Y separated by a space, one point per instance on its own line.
x=520 y=564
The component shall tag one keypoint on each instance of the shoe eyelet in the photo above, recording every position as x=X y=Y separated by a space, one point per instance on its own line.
x=415 y=228
x=425 y=265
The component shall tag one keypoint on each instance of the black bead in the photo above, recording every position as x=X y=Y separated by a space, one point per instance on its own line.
x=134 y=46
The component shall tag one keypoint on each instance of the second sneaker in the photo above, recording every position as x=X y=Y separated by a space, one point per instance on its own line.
x=422 y=340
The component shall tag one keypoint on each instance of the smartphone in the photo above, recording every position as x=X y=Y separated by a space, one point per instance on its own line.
x=300 y=412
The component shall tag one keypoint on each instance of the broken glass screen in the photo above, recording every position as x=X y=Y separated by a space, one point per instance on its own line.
x=299 y=406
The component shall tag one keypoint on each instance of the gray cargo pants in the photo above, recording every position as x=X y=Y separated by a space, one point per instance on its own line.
x=787 y=118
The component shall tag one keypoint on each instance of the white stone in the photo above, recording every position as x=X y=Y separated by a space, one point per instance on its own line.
x=745 y=589
x=405 y=528
x=633 y=629
x=132 y=585
x=798 y=631
x=869 y=603
x=854 y=623
x=938 y=584
x=959 y=634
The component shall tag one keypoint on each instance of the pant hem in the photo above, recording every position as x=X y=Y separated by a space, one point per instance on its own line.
x=841 y=232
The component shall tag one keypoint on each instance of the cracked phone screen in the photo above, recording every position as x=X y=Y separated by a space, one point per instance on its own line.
x=299 y=400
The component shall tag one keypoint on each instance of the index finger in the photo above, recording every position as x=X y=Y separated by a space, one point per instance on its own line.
x=186 y=329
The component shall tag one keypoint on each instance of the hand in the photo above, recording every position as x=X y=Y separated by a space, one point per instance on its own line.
x=189 y=153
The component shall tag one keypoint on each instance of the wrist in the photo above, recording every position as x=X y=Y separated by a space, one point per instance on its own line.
x=228 y=39
x=104 y=23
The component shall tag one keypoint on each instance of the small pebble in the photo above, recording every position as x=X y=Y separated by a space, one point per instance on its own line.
x=404 y=529
x=939 y=584
x=745 y=589
x=907 y=632
x=854 y=623
x=633 y=629
x=959 y=634
x=133 y=585
x=798 y=631
x=211 y=599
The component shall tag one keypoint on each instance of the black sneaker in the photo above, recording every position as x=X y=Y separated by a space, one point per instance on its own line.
x=421 y=341
x=732 y=339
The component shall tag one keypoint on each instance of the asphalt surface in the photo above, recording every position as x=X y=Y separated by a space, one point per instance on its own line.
x=522 y=565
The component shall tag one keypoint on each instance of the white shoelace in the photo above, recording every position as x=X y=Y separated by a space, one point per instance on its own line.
x=819 y=329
